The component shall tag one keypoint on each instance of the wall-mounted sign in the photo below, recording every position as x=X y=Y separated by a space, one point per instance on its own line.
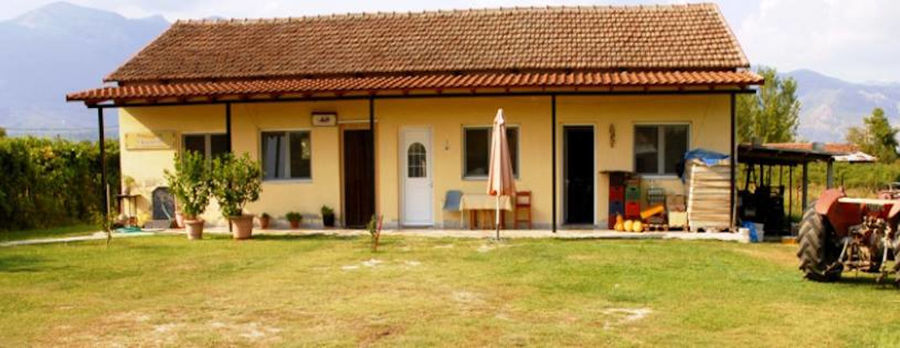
x=324 y=119
x=159 y=140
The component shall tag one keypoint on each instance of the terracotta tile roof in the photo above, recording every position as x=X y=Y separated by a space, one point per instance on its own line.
x=607 y=38
x=833 y=148
x=247 y=88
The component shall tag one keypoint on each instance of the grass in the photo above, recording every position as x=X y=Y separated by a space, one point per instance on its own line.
x=54 y=232
x=274 y=291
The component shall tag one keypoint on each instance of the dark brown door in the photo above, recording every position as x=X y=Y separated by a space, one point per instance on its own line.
x=359 y=186
x=578 y=167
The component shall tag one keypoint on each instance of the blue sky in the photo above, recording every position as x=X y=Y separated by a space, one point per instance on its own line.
x=853 y=40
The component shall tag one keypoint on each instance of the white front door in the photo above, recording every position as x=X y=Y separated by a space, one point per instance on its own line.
x=415 y=154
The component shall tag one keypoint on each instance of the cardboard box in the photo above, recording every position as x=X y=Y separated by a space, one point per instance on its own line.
x=676 y=203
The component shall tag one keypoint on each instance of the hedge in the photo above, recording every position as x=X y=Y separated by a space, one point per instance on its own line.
x=53 y=182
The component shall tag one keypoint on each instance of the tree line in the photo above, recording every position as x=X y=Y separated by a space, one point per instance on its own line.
x=771 y=115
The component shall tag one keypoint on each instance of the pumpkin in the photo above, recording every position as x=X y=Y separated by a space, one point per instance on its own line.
x=620 y=224
x=628 y=225
x=637 y=226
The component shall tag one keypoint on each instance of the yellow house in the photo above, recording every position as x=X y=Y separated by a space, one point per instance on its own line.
x=386 y=113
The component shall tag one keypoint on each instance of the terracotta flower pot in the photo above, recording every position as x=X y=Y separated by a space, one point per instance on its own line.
x=264 y=222
x=241 y=226
x=194 y=228
x=179 y=220
x=295 y=224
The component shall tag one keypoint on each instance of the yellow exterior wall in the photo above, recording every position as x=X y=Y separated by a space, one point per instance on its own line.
x=708 y=116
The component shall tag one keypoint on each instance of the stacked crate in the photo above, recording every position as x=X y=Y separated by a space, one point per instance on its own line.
x=633 y=200
x=709 y=196
x=616 y=197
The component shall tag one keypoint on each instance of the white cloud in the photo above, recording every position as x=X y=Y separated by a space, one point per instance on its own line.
x=854 y=40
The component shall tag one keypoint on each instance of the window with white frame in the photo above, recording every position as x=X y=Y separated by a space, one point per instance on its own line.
x=286 y=155
x=659 y=148
x=477 y=147
x=209 y=145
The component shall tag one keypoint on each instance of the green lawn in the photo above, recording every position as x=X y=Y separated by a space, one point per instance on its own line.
x=53 y=232
x=418 y=291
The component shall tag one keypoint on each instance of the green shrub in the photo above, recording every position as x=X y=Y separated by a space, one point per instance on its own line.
x=53 y=182
x=190 y=184
x=235 y=182
x=293 y=216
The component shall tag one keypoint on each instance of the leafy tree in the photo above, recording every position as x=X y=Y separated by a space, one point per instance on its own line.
x=2 y=132
x=876 y=137
x=772 y=114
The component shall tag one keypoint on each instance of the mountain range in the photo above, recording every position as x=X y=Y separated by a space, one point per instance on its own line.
x=61 y=47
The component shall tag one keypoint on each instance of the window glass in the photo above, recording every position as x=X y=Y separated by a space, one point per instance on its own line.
x=218 y=144
x=196 y=143
x=659 y=149
x=646 y=149
x=286 y=155
x=676 y=139
x=300 y=155
x=478 y=150
x=415 y=161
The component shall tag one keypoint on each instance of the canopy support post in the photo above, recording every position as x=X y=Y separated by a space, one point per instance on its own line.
x=733 y=169
x=374 y=152
x=228 y=126
x=101 y=142
x=803 y=195
x=553 y=155
x=829 y=174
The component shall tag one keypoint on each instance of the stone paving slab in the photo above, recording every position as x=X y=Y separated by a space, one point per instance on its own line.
x=432 y=233
x=485 y=234
x=95 y=236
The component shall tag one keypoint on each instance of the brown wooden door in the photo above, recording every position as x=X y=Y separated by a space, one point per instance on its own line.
x=359 y=184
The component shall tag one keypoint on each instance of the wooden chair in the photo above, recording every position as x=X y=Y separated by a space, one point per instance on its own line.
x=522 y=202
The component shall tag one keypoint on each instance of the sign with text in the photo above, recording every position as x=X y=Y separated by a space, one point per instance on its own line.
x=159 y=140
x=324 y=119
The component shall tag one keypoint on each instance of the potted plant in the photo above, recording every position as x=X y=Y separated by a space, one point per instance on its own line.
x=327 y=216
x=264 y=220
x=294 y=218
x=190 y=184
x=236 y=181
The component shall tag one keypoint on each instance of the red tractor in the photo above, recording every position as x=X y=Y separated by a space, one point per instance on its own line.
x=840 y=233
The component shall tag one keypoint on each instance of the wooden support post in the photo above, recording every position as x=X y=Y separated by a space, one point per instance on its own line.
x=805 y=190
x=553 y=155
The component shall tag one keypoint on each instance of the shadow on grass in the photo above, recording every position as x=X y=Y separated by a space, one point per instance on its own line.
x=300 y=237
x=21 y=264
x=869 y=280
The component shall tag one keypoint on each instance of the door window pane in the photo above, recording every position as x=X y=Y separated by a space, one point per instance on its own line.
x=646 y=149
x=415 y=161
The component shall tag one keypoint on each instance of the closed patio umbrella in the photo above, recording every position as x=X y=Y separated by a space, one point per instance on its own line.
x=500 y=174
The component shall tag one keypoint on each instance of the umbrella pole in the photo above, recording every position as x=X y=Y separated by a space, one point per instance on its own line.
x=497 y=217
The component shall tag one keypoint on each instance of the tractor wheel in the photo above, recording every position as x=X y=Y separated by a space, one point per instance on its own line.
x=818 y=251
